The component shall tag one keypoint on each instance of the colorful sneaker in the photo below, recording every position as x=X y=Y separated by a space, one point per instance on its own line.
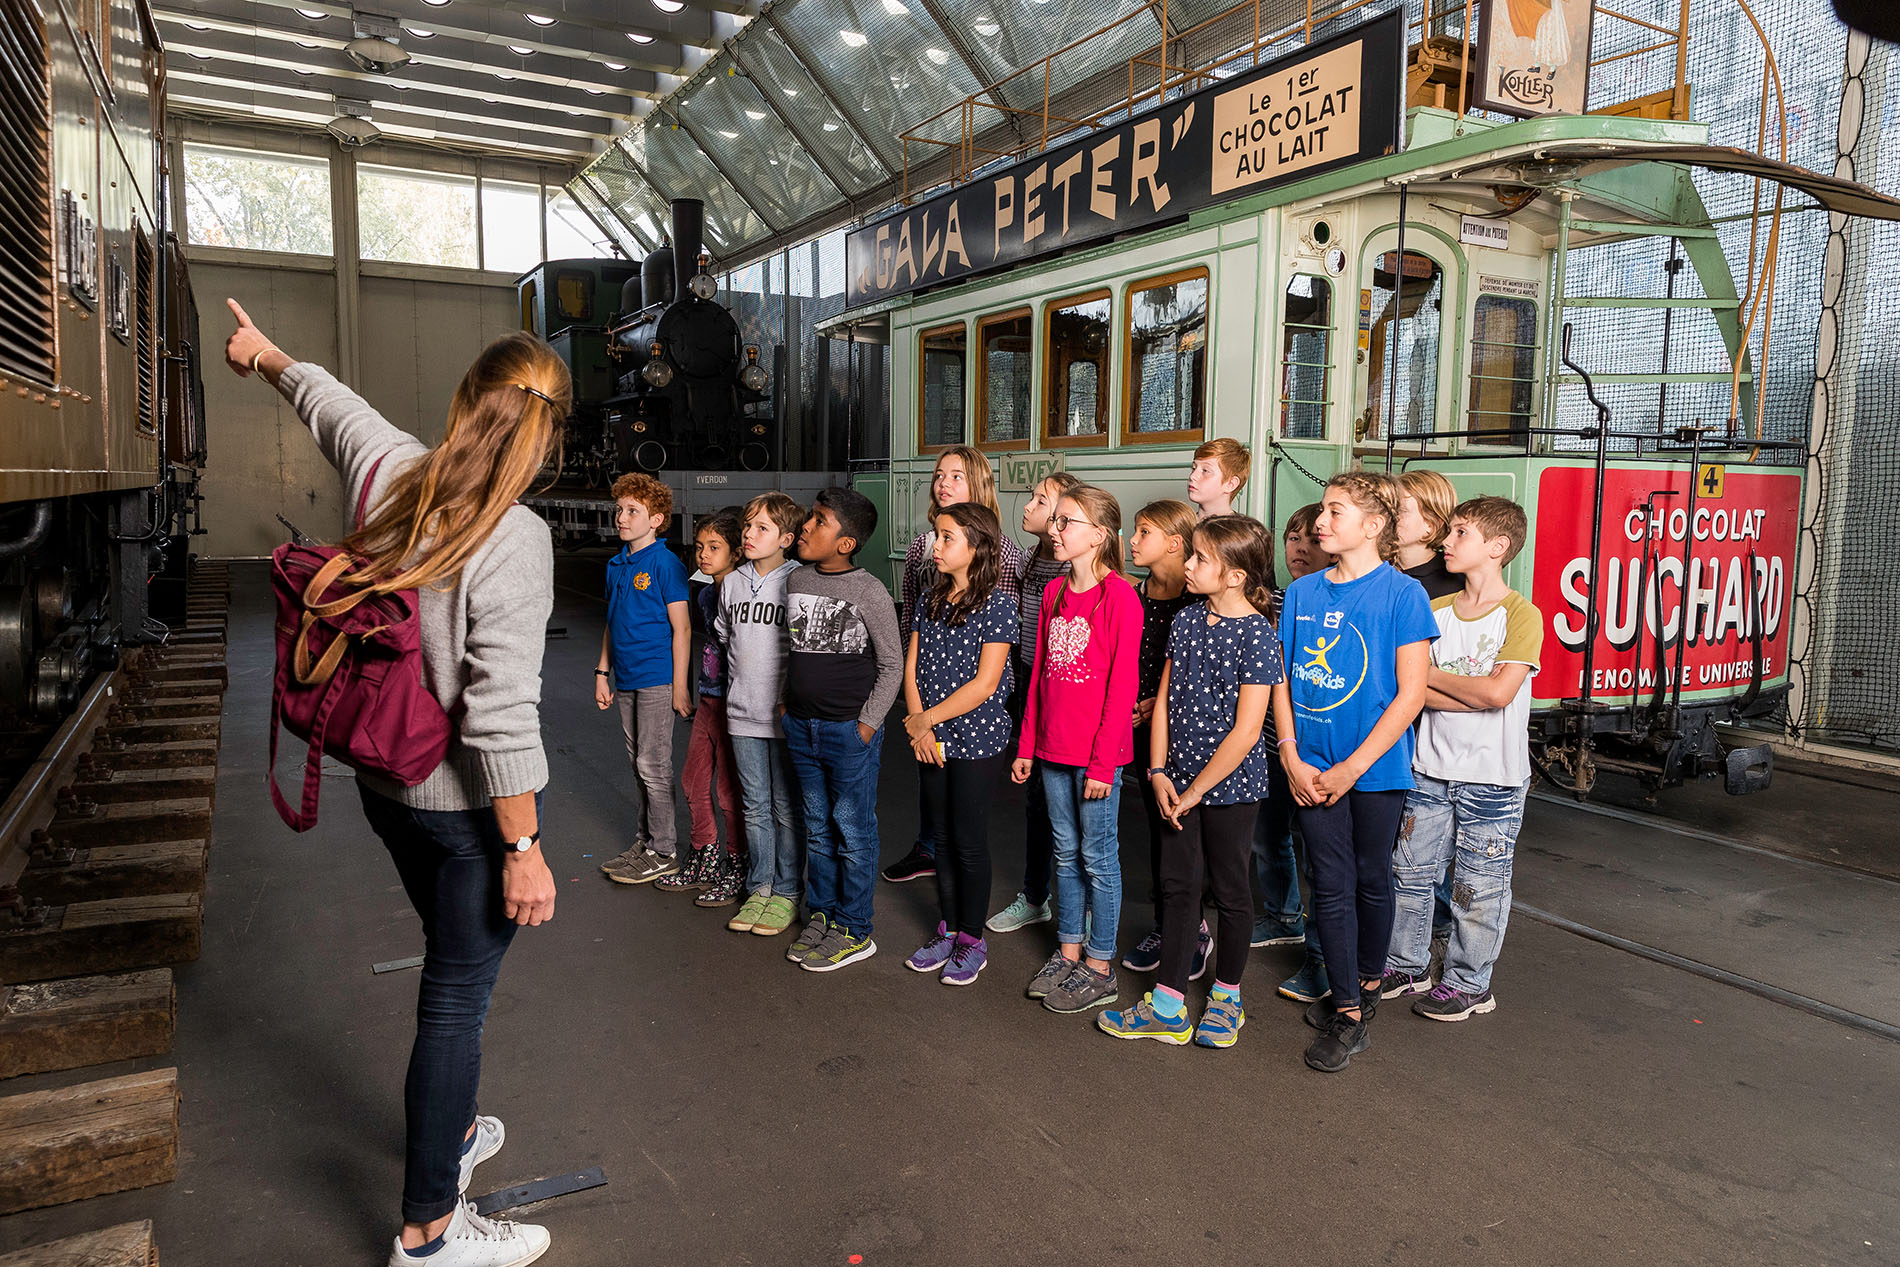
x=1337 y=1044
x=1220 y=1023
x=1052 y=974
x=1309 y=984
x=692 y=876
x=1019 y=914
x=644 y=867
x=1446 y=1003
x=1142 y=1021
x=1203 y=951
x=839 y=947
x=725 y=883
x=1271 y=930
x=1081 y=990
x=933 y=954
x=623 y=863
x=473 y=1241
x=777 y=916
x=479 y=1147
x=748 y=915
x=807 y=941
x=967 y=960
x=914 y=865
x=1398 y=983
x=1146 y=956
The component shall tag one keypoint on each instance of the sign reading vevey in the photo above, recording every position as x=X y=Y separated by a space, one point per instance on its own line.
x=1329 y=104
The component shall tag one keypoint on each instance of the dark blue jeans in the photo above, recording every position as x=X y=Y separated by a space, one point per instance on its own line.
x=1350 y=844
x=837 y=776
x=450 y=864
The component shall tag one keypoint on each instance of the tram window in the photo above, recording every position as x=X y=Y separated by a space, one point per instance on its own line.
x=1003 y=415
x=1307 y=358
x=940 y=362
x=1167 y=358
x=1077 y=402
x=1503 y=367
x=1404 y=336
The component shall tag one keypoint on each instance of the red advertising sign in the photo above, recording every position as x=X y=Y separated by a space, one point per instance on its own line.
x=1739 y=574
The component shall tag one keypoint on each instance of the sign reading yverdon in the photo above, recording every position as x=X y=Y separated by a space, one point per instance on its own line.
x=1329 y=104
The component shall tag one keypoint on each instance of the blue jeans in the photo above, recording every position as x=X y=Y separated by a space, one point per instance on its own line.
x=1477 y=824
x=1275 y=868
x=450 y=864
x=770 y=792
x=837 y=776
x=1088 y=858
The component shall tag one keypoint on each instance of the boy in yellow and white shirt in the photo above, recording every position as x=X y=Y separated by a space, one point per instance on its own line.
x=1471 y=768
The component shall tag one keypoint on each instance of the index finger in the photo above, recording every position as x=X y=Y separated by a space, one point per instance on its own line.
x=244 y=318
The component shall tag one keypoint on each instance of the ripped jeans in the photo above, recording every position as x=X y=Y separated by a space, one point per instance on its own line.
x=1477 y=823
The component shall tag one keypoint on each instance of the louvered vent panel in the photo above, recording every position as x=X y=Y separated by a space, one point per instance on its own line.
x=26 y=229
x=145 y=326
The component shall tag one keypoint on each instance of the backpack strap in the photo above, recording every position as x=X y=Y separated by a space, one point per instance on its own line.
x=362 y=497
x=304 y=818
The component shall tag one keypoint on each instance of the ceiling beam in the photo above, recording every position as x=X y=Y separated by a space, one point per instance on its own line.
x=797 y=128
x=226 y=100
x=751 y=201
x=954 y=38
x=493 y=26
x=245 y=52
x=786 y=38
x=607 y=205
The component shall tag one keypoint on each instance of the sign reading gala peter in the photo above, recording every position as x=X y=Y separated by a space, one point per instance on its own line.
x=1332 y=103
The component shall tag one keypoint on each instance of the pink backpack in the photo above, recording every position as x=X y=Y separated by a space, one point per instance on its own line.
x=349 y=674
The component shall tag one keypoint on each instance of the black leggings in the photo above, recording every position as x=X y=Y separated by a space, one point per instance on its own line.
x=1350 y=844
x=958 y=795
x=1211 y=851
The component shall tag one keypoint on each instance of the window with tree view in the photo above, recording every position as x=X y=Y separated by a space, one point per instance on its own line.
x=1503 y=367
x=413 y=217
x=1002 y=393
x=1306 y=357
x=940 y=362
x=257 y=201
x=1078 y=370
x=1167 y=358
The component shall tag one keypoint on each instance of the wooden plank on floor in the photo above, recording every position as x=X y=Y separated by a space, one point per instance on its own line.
x=182 y=818
x=127 y=1245
x=85 y=1021
x=82 y=1141
x=117 y=935
x=109 y=871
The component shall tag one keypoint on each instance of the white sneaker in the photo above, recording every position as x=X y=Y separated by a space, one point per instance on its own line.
x=473 y=1241
x=489 y=1134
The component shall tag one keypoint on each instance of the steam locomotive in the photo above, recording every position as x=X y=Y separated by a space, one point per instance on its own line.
x=101 y=398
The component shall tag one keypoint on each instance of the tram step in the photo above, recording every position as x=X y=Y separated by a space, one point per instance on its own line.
x=86 y=1140
x=113 y=871
x=85 y=1021
x=185 y=818
x=127 y=1245
x=115 y=935
x=1647 y=301
x=1642 y=230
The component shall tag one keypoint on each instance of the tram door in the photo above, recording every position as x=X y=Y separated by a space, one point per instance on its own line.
x=1406 y=338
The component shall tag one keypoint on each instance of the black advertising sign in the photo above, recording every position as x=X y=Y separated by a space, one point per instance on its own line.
x=1334 y=102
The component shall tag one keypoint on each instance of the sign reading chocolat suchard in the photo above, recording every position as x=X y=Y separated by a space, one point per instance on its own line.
x=1329 y=104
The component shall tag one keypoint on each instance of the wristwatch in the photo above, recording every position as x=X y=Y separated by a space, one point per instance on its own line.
x=524 y=843
x=1156 y=769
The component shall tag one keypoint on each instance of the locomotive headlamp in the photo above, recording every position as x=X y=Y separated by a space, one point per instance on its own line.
x=656 y=372
x=753 y=377
x=703 y=284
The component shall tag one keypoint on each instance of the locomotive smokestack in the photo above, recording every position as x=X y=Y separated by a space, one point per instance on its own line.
x=689 y=224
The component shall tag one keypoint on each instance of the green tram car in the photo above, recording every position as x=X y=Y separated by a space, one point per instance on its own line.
x=1392 y=310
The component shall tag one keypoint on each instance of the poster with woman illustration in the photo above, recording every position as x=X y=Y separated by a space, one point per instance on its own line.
x=1534 y=56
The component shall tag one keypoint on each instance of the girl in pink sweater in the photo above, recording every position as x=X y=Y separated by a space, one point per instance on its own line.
x=1078 y=722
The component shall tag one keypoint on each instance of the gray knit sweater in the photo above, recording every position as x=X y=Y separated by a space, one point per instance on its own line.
x=482 y=637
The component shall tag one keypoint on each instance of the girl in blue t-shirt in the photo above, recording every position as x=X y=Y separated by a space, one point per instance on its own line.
x=956 y=691
x=1357 y=637
x=1208 y=762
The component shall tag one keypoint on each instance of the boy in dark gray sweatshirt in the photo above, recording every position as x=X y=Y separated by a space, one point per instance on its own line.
x=843 y=675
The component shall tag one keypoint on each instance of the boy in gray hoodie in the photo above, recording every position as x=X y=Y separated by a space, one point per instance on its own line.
x=750 y=623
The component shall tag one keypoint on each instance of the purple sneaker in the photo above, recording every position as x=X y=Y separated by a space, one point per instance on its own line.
x=1445 y=1003
x=967 y=959
x=1398 y=983
x=931 y=955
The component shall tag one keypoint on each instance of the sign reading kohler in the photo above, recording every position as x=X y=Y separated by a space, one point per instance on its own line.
x=1534 y=56
x=1329 y=104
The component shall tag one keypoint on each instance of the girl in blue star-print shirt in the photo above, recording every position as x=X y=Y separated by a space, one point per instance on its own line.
x=1209 y=760
x=956 y=687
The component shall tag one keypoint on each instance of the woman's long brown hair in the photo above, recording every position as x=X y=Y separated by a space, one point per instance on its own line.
x=979 y=527
x=504 y=426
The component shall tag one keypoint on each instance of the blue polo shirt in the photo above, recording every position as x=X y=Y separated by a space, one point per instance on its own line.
x=639 y=636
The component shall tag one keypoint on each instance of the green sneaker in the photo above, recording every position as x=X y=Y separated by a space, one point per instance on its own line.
x=777 y=916
x=1142 y=1021
x=809 y=939
x=840 y=947
x=748 y=916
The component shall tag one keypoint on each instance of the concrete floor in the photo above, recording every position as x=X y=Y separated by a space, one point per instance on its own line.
x=745 y=1112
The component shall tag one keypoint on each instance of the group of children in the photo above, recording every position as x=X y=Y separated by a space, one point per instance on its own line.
x=1379 y=702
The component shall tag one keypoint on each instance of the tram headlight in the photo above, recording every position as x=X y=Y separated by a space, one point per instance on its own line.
x=656 y=372
x=753 y=377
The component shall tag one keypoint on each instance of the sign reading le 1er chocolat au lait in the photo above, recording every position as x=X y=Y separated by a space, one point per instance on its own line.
x=1329 y=104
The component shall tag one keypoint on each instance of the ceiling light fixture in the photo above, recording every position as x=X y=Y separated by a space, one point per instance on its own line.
x=375 y=49
x=435 y=4
x=937 y=55
x=520 y=50
x=419 y=33
x=315 y=15
x=638 y=38
x=538 y=20
x=855 y=39
x=669 y=6
x=986 y=28
x=352 y=127
x=757 y=116
x=613 y=65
